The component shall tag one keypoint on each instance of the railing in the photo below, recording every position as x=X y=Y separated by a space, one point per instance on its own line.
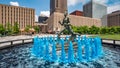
x=111 y=42
x=5 y=44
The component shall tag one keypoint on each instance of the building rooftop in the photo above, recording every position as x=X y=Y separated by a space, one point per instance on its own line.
x=17 y=6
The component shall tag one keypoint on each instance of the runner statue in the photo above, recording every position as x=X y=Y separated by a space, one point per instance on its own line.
x=67 y=26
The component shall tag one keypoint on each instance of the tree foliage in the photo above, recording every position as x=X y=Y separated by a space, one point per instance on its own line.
x=2 y=29
x=15 y=28
x=36 y=28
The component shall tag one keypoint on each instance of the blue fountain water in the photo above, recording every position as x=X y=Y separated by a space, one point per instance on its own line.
x=54 y=54
x=87 y=49
x=47 y=55
x=63 y=55
x=22 y=56
x=79 y=53
x=71 y=53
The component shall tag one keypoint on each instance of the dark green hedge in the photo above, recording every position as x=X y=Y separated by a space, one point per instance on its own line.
x=95 y=30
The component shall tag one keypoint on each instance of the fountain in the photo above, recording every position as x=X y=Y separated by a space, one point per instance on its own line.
x=74 y=48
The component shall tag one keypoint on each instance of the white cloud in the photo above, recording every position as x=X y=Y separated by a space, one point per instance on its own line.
x=14 y=3
x=113 y=8
x=45 y=13
x=74 y=2
x=101 y=1
x=36 y=18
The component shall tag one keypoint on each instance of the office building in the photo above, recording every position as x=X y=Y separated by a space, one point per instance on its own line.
x=53 y=21
x=11 y=14
x=114 y=18
x=96 y=10
x=58 y=6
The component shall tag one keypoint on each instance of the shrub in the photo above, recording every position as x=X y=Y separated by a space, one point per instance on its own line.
x=94 y=30
x=118 y=29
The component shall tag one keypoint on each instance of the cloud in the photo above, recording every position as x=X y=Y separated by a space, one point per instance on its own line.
x=74 y=2
x=45 y=13
x=101 y=1
x=36 y=18
x=14 y=3
x=113 y=8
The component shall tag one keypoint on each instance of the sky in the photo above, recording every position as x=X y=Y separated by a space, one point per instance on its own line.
x=42 y=6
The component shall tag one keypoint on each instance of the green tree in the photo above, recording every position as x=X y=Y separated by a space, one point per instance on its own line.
x=27 y=28
x=15 y=28
x=37 y=28
x=9 y=28
x=2 y=29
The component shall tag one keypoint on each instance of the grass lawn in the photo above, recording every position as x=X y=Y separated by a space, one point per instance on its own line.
x=110 y=36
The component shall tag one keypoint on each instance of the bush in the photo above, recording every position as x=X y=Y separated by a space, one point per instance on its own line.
x=94 y=30
x=118 y=29
x=104 y=30
x=112 y=30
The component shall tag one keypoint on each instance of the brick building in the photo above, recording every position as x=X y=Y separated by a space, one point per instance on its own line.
x=23 y=16
x=114 y=18
x=77 y=13
x=53 y=20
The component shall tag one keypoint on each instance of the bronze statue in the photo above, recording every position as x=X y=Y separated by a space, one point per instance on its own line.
x=67 y=26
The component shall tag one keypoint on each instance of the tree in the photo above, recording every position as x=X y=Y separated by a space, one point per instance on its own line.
x=2 y=29
x=36 y=29
x=15 y=28
x=27 y=28
x=8 y=28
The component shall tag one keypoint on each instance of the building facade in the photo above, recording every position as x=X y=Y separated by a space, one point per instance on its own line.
x=96 y=10
x=53 y=20
x=42 y=19
x=77 y=13
x=58 y=6
x=11 y=14
x=114 y=18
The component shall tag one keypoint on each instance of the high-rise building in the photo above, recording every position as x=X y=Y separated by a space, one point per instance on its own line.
x=57 y=9
x=114 y=18
x=11 y=14
x=96 y=10
x=58 y=6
